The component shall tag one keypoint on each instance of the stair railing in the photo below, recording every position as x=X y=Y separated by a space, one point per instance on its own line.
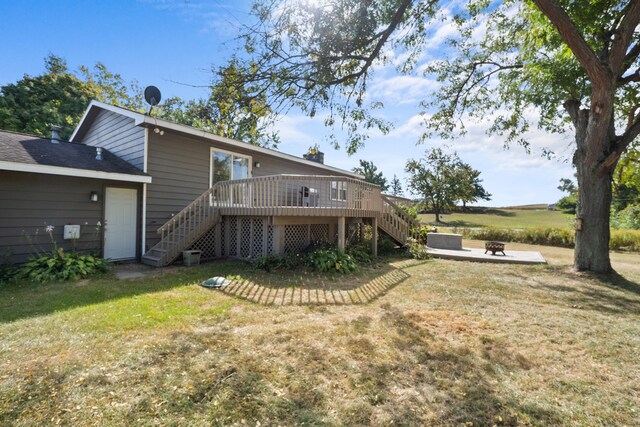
x=395 y=221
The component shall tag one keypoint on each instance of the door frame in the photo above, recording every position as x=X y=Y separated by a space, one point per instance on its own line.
x=138 y=218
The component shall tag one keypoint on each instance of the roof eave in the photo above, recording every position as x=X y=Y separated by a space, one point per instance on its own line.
x=75 y=172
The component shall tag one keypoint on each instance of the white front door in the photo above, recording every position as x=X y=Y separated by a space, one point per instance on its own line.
x=120 y=217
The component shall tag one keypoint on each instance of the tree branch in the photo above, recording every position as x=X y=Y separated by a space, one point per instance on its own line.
x=633 y=77
x=620 y=146
x=574 y=39
x=623 y=36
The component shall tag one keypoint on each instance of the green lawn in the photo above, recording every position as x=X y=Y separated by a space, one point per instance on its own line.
x=503 y=218
x=452 y=343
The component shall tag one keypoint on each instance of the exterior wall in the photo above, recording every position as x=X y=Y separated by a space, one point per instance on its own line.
x=29 y=202
x=180 y=167
x=118 y=134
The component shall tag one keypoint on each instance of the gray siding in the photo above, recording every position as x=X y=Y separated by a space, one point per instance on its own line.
x=29 y=202
x=179 y=167
x=118 y=134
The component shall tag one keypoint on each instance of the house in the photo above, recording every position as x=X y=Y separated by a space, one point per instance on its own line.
x=184 y=188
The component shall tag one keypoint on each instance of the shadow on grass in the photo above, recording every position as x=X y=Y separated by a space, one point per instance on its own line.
x=467 y=374
x=301 y=287
x=610 y=293
x=25 y=299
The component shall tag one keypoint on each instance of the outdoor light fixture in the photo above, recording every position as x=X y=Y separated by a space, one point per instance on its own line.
x=158 y=130
x=257 y=164
x=93 y=196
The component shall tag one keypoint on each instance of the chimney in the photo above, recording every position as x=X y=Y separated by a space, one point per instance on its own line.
x=315 y=156
x=55 y=134
x=98 y=153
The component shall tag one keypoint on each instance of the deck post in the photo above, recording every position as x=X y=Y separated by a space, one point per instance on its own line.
x=374 y=236
x=341 y=226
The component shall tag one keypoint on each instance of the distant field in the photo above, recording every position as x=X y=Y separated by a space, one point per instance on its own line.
x=503 y=218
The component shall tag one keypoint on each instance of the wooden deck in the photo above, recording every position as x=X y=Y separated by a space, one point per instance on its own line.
x=282 y=196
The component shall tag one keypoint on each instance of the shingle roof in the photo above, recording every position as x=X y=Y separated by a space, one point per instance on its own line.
x=21 y=148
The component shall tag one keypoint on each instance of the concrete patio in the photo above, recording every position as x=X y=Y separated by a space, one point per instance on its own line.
x=478 y=255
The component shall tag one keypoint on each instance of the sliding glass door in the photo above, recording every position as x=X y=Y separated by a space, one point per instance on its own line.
x=226 y=166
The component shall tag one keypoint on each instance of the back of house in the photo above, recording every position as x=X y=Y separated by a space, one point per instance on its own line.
x=141 y=188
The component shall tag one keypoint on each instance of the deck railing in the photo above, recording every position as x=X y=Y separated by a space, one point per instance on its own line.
x=283 y=194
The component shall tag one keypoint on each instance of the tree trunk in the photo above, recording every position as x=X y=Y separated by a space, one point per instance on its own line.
x=437 y=212
x=594 y=136
x=592 y=240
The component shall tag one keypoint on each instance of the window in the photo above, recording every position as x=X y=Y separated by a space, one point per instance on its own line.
x=338 y=190
x=227 y=166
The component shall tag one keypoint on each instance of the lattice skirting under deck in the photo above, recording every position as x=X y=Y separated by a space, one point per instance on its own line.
x=250 y=238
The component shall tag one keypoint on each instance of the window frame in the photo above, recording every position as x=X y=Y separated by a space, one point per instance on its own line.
x=338 y=189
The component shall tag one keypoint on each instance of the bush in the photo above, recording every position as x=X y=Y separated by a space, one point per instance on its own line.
x=386 y=246
x=417 y=249
x=325 y=260
x=276 y=262
x=59 y=265
x=628 y=218
x=361 y=252
x=7 y=270
x=626 y=240
x=568 y=204
x=410 y=210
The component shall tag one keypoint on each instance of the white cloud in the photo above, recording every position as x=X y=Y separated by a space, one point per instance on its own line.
x=402 y=89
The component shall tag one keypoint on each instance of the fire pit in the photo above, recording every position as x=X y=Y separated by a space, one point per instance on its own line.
x=494 y=247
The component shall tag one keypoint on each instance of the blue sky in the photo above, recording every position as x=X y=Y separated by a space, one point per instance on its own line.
x=167 y=42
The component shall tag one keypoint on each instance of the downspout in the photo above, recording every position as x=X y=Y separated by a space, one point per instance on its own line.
x=143 y=234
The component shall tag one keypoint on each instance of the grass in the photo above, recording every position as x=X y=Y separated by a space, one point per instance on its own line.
x=503 y=218
x=454 y=344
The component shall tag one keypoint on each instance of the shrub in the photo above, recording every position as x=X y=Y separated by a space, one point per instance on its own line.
x=568 y=204
x=625 y=240
x=628 y=240
x=325 y=260
x=417 y=249
x=276 y=262
x=7 y=270
x=361 y=252
x=386 y=246
x=410 y=210
x=59 y=265
x=628 y=218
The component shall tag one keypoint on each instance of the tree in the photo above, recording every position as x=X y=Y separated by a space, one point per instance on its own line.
x=232 y=110
x=471 y=189
x=396 y=187
x=60 y=97
x=561 y=62
x=567 y=186
x=626 y=181
x=568 y=203
x=435 y=178
x=371 y=174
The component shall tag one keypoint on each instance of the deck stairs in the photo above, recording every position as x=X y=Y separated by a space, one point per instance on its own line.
x=183 y=230
x=395 y=222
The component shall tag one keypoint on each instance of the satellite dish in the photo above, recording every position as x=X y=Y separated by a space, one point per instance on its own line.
x=152 y=95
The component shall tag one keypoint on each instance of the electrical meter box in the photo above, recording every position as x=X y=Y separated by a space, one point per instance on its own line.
x=71 y=232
